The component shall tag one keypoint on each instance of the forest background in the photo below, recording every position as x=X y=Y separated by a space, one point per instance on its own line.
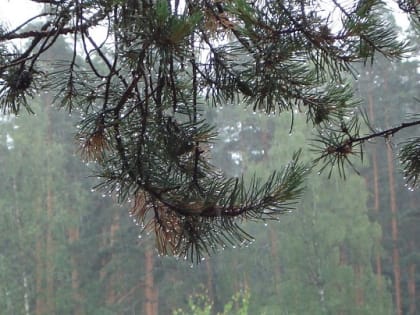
x=350 y=247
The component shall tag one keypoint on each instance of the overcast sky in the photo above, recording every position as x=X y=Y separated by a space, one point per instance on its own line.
x=15 y=12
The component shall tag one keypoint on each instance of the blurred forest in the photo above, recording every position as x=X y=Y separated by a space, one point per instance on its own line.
x=351 y=247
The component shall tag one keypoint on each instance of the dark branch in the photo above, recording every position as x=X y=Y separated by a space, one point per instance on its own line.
x=385 y=133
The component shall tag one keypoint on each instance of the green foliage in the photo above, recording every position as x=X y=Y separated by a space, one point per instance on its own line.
x=142 y=91
x=308 y=263
x=176 y=28
x=382 y=89
x=332 y=214
x=33 y=167
x=200 y=305
x=410 y=158
x=316 y=259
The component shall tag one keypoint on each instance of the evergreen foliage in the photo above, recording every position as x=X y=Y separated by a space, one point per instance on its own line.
x=141 y=92
x=382 y=84
x=101 y=269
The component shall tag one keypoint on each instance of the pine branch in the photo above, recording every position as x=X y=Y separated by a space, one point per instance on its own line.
x=384 y=133
x=410 y=159
x=43 y=34
x=204 y=223
x=141 y=90
x=336 y=146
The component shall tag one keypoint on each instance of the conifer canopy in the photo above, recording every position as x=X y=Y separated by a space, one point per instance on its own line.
x=142 y=88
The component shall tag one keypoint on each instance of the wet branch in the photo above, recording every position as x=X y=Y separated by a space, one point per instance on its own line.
x=384 y=133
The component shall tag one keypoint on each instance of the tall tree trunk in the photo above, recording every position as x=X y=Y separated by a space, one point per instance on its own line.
x=412 y=283
x=275 y=259
x=394 y=231
x=210 y=284
x=150 y=305
x=394 y=214
x=40 y=265
x=49 y=266
x=274 y=251
x=111 y=296
x=19 y=228
x=26 y=293
x=342 y=261
x=376 y=203
x=358 y=269
x=343 y=255
x=75 y=277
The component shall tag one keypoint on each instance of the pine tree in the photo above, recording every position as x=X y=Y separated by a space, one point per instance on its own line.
x=398 y=208
x=142 y=91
